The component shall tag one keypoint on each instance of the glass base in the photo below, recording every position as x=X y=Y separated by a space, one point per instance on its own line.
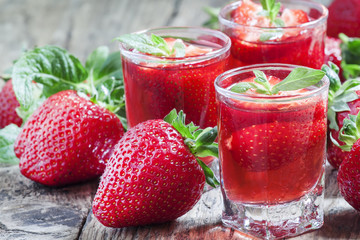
x=277 y=221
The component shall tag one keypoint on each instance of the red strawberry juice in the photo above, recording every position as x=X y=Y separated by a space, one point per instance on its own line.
x=255 y=40
x=271 y=148
x=156 y=85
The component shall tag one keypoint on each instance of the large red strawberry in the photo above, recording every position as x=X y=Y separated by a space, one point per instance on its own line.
x=343 y=100
x=68 y=139
x=153 y=175
x=344 y=17
x=8 y=104
x=349 y=171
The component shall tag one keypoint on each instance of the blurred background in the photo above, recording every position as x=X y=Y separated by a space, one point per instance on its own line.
x=82 y=25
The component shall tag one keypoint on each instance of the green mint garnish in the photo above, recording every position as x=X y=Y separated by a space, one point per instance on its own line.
x=299 y=78
x=154 y=45
x=350 y=52
x=271 y=10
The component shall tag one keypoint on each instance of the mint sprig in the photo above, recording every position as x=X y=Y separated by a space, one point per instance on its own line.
x=299 y=78
x=271 y=10
x=200 y=141
x=153 y=44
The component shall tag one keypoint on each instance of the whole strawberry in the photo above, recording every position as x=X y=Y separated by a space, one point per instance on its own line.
x=343 y=100
x=349 y=171
x=8 y=104
x=68 y=139
x=153 y=175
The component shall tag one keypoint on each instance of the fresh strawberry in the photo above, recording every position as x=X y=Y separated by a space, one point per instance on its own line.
x=8 y=104
x=349 y=171
x=344 y=17
x=349 y=177
x=153 y=175
x=68 y=139
x=343 y=100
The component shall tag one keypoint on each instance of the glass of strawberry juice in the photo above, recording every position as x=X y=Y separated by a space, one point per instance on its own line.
x=272 y=155
x=302 y=44
x=156 y=85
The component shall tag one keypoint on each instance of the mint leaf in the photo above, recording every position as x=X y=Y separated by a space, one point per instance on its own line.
x=242 y=87
x=271 y=8
x=261 y=78
x=300 y=77
x=8 y=137
x=50 y=66
x=145 y=44
x=350 y=53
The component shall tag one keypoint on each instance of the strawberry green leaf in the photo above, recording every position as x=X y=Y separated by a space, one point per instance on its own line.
x=8 y=136
x=201 y=146
x=300 y=77
x=209 y=175
x=50 y=66
x=349 y=133
x=145 y=44
x=350 y=53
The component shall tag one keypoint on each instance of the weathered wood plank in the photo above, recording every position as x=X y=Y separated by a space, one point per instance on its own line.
x=204 y=221
x=31 y=211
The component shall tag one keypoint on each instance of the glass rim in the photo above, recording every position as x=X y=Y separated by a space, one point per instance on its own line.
x=196 y=30
x=266 y=98
x=230 y=7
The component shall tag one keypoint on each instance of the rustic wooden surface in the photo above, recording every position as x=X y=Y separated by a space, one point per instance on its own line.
x=31 y=211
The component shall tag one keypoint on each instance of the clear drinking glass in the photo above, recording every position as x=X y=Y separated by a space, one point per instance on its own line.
x=301 y=45
x=156 y=85
x=272 y=155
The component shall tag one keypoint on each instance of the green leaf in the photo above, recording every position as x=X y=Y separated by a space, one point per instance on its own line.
x=96 y=60
x=242 y=87
x=50 y=66
x=209 y=175
x=145 y=44
x=332 y=72
x=199 y=141
x=299 y=78
x=270 y=35
x=272 y=8
x=261 y=78
x=213 y=21
x=8 y=137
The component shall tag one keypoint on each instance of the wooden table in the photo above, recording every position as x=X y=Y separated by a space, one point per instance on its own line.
x=31 y=211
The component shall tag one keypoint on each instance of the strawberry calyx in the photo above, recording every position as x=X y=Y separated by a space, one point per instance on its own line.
x=339 y=94
x=349 y=133
x=199 y=141
x=299 y=78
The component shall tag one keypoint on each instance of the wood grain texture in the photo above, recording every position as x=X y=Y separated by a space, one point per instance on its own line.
x=31 y=211
x=204 y=221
